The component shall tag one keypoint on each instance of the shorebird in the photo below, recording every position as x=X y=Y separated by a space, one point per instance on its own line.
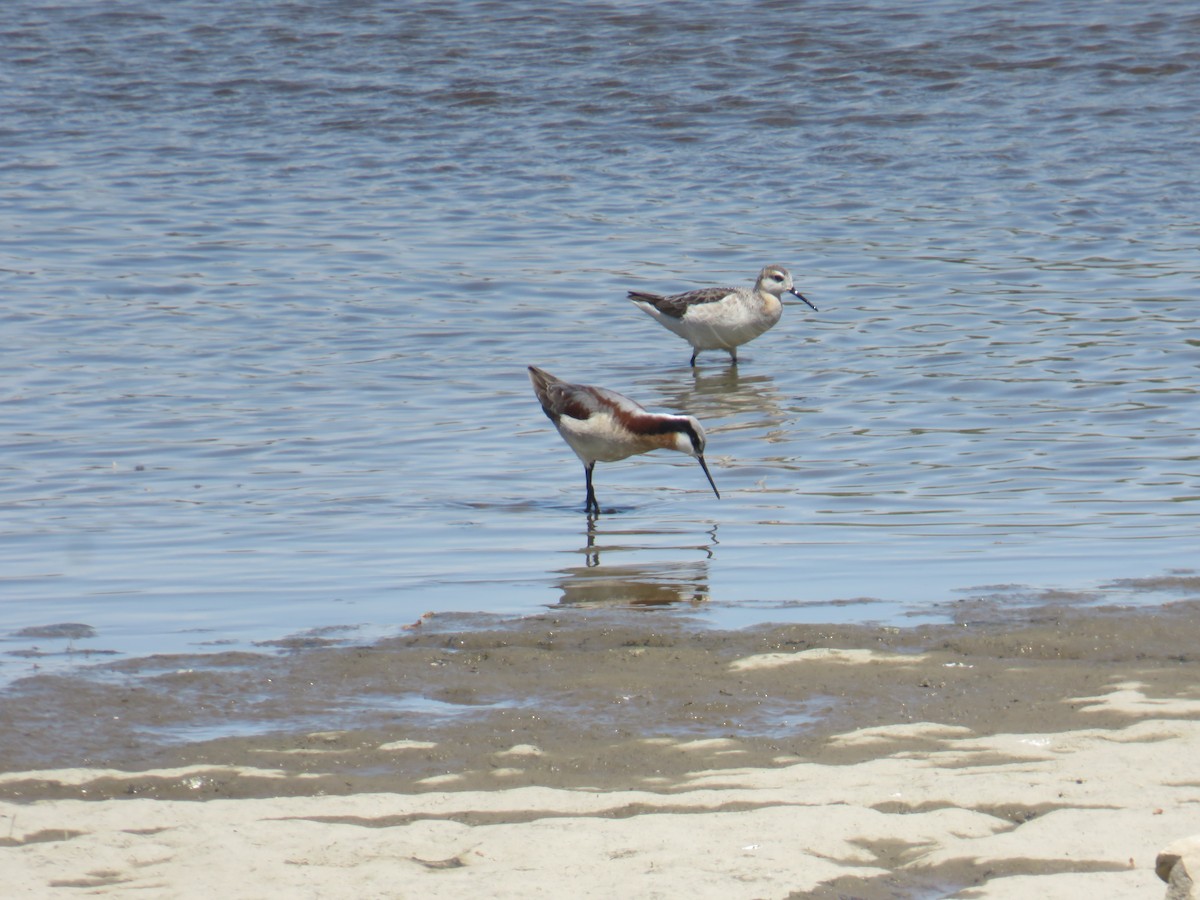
x=603 y=426
x=722 y=318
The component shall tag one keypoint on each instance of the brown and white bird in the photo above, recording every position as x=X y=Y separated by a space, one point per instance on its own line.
x=603 y=426
x=722 y=318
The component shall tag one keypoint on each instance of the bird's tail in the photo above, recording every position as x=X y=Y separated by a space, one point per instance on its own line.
x=643 y=297
x=542 y=381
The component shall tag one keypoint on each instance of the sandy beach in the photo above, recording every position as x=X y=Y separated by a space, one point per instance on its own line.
x=1043 y=752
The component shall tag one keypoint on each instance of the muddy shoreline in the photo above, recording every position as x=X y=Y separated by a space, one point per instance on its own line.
x=593 y=691
x=1045 y=750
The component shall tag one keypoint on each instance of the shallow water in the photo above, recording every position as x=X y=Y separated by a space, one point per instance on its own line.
x=271 y=278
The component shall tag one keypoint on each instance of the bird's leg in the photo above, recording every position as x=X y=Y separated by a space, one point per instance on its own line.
x=695 y=353
x=733 y=356
x=591 y=503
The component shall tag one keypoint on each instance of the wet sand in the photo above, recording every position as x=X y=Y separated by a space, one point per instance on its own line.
x=1044 y=751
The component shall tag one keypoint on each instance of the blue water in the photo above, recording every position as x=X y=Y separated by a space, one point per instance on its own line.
x=270 y=277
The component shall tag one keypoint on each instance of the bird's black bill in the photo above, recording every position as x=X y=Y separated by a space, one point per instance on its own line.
x=708 y=475
x=805 y=299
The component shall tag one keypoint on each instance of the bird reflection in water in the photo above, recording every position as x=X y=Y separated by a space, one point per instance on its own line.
x=725 y=395
x=679 y=575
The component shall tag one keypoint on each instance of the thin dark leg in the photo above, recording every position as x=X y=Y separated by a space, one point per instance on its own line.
x=733 y=355
x=591 y=503
x=695 y=353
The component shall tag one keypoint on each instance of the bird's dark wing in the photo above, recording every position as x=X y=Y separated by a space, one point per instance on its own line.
x=582 y=401
x=678 y=304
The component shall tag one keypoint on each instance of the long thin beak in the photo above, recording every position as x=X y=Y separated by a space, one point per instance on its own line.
x=796 y=293
x=708 y=474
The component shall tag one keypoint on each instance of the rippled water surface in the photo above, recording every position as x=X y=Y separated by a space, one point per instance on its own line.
x=271 y=275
